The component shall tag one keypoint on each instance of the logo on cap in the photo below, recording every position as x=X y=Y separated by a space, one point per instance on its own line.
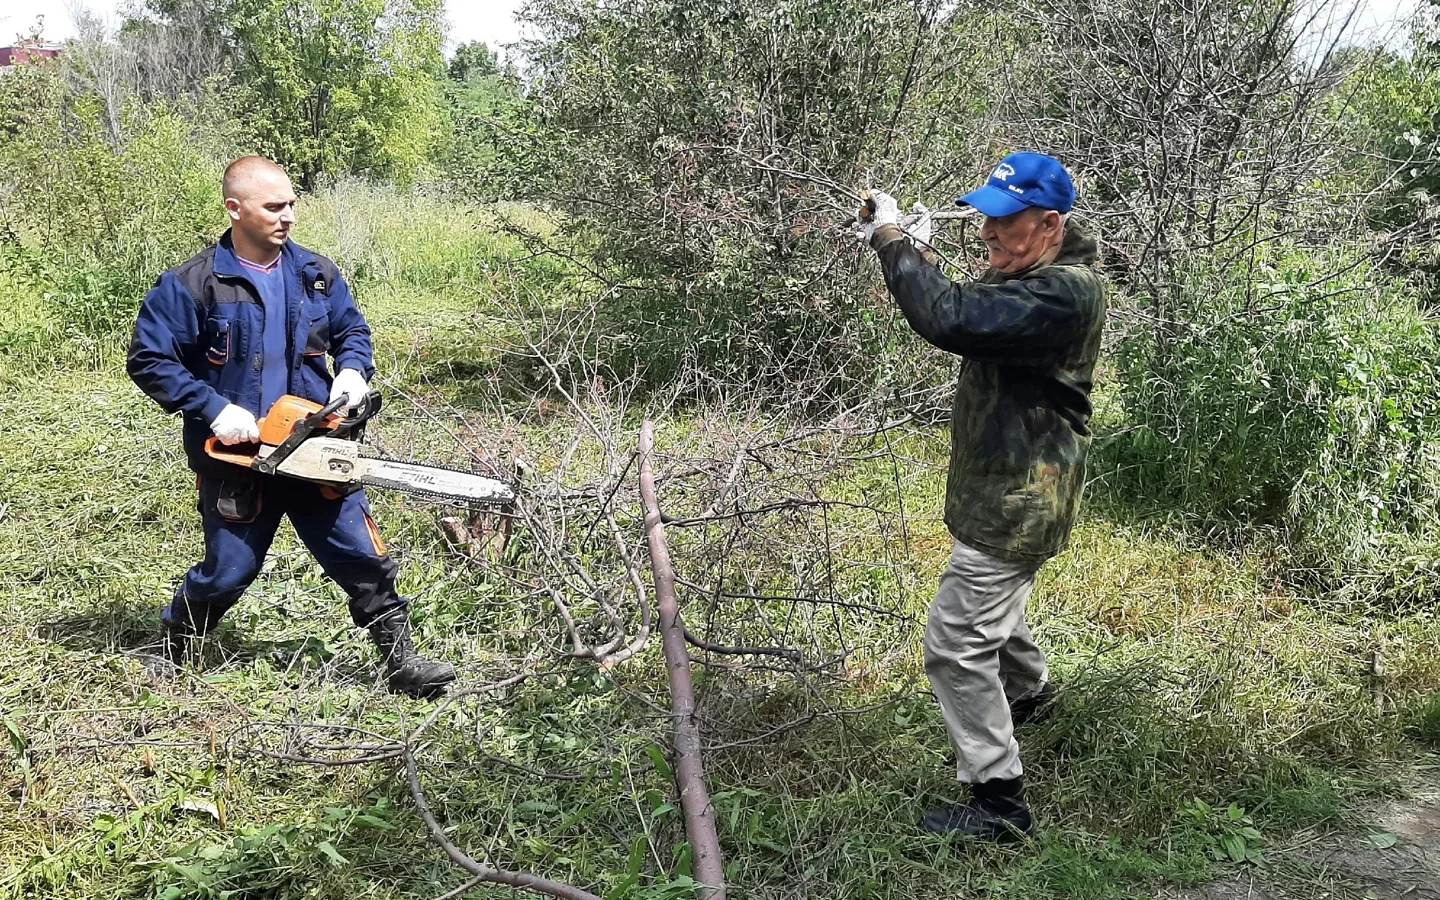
x=1003 y=171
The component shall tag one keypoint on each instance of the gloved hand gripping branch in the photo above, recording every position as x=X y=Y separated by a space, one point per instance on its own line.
x=882 y=209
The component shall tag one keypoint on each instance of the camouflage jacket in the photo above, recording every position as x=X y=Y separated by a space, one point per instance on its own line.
x=1020 y=424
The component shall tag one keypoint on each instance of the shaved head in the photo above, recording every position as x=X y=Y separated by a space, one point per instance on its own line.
x=261 y=203
x=242 y=175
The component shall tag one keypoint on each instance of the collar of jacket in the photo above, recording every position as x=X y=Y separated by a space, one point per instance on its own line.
x=292 y=257
x=1077 y=248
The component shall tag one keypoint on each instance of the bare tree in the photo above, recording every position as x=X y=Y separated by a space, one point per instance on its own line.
x=144 y=61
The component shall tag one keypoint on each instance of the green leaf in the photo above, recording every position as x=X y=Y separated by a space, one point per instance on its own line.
x=1234 y=847
x=193 y=874
x=370 y=821
x=658 y=759
x=1382 y=840
x=637 y=858
x=329 y=850
x=18 y=740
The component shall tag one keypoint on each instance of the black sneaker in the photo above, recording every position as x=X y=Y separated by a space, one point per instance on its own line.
x=997 y=814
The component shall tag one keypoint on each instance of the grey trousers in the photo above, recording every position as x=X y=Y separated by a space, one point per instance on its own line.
x=979 y=656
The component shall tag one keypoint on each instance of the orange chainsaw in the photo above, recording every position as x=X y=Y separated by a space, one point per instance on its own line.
x=302 y=439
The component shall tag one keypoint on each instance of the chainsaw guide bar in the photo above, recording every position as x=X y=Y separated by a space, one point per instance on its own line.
x=304 y=440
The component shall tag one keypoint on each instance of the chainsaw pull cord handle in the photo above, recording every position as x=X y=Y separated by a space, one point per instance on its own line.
x=302 y=430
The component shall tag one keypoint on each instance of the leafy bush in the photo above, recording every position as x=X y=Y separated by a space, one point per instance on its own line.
x=90 y=224
x=1424 y=720
x=1306 y=401
x=481 y=101
x=709 y=153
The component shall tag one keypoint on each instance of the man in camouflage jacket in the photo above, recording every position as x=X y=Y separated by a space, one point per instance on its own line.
x=1029 y=331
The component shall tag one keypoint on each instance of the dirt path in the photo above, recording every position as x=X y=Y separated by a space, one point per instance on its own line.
x=1394 y=856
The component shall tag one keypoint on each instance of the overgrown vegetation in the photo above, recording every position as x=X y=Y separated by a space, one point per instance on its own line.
x=1244 y=625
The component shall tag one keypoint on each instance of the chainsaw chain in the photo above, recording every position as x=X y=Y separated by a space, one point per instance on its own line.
x=433 y=496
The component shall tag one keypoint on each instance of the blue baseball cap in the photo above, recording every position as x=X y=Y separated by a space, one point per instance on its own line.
x=1022 y=180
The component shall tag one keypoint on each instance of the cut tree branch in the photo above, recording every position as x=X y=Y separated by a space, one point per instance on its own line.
x=522 y=880
x=689 y=772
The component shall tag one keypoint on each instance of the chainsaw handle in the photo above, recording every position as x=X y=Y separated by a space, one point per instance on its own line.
x=319 y=416
x=365 y=409
x=214 y=451
x=352 y=423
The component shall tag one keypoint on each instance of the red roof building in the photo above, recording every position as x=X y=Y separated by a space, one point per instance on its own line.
x=27 y=52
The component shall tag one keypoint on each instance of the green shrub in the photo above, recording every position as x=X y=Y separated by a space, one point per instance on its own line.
x=1424 y=720
x=1302 y=401
x=709 y=153
x=92 y=222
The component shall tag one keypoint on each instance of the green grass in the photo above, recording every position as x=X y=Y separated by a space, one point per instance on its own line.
x=1191 y=672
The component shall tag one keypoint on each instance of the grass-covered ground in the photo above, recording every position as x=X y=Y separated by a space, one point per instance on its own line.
x=1209 y=710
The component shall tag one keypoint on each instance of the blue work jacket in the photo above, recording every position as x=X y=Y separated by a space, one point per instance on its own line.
x=197 y=340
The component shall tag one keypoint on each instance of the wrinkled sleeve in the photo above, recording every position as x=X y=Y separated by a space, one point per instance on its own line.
x=1021 y=322
x=166 y=331
x=349 y=333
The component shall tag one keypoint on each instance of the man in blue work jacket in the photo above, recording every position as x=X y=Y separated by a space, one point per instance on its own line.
x=218 y=340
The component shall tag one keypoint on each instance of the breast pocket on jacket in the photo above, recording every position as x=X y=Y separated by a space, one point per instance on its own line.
x=317 y=340
x=218 y=339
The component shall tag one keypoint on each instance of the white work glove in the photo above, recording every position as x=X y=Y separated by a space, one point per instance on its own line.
x=351 y=385
x=923 y=228
x=887 y=212
x=235 y=425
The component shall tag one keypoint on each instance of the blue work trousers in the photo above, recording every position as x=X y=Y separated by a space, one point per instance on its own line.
x=240 y=517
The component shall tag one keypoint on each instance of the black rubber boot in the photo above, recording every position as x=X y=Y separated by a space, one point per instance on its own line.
x=1035 y=708
x=178 y=643
x=407 y=672
x=997 y=813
